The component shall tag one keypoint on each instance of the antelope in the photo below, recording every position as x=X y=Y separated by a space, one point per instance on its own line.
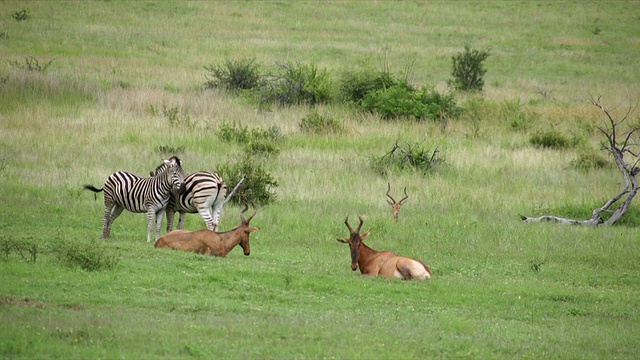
x=211 y=243
x=381 y=263
x=396 y=204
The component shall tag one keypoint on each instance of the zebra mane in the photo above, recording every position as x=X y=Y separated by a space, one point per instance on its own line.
x=165 y=165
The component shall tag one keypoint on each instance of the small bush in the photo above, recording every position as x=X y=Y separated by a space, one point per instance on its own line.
x=355 y=85
x=468 y=70
x=20 y=15
x=234 y=75
x=403 y=101
x=550 y=139
x=26 y=248
x=296 y=84
x=412 y=156
x=31 y=64
x=314 y=123
x=258 y=186
x=255 y=141
x=589 y=159
x=93 y=255
x=513 y=113
x=176 y=117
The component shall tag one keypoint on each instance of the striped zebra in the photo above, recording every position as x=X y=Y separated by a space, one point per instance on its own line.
x=202 y=192
x=124 y=190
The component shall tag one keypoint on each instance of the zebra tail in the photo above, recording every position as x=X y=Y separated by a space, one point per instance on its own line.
x=92 y=188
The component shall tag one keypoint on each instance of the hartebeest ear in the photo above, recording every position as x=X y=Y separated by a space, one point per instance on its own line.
x=343 y=241
x=364 y=236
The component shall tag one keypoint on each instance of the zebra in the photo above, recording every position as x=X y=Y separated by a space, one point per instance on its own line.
x=124 y=190
x=202 y=191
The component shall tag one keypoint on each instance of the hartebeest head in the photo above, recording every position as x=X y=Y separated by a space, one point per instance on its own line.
x=355 y=241
x=396 y=204
x=244 y=229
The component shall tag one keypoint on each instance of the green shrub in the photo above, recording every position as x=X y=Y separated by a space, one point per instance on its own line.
x=354 y=85
x=315 y=123
x=468 y=70
x=403 y=101
x=513 y=113
x=234 y=75
x=232 y=132
x=258 y=186
x=409 y=157
x=296 y=84
x=90 y=255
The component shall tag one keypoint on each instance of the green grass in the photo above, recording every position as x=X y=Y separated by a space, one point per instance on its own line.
x=500 y=288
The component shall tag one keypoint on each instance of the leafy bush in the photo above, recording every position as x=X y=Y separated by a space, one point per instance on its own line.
x=255 y=141
x=513 y=113
x=296 y=84
x=315 y=123
x=411 y=156
x=467 y=69
x=355 y=85
x=234 y=75
x=93 y=255
x=258 y=185
x=403 y=100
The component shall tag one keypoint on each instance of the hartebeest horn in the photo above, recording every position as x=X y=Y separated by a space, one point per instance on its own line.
x=246 y=207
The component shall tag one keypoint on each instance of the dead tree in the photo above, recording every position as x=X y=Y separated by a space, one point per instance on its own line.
x=619 y=144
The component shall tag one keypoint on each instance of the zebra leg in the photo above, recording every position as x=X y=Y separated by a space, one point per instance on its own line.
x=170 y=216
x=106 y=220
x=206 y=216
x=113 y=213
x=183 y=216
x=159 y=214
x=151 y=215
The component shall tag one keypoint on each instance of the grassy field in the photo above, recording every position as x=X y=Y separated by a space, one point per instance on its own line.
x=500 y=288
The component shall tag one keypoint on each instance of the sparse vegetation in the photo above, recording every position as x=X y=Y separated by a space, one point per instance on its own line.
x=316 y=123
x=234 y=75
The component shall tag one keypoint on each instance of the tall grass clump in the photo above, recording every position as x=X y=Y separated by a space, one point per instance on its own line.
x=552 y=139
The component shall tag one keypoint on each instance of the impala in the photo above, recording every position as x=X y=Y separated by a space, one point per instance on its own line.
x=396 y=205
x=381 y=263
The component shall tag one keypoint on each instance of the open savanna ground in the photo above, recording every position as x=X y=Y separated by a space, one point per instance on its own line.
x=88 y=88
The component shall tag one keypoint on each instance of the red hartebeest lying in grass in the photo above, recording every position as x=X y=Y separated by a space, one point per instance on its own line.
x=396 y=205
x=211 y=243
x=383 y=263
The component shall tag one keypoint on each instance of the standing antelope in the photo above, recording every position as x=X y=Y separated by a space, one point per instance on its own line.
x=396 y=204
x=124 y=190
x=209 y=242
x=383 y=263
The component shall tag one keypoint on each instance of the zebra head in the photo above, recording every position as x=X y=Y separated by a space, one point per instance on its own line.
x=172 y=171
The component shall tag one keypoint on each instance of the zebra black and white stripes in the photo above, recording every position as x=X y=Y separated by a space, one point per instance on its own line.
x=202 y=192
x=126 y=191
